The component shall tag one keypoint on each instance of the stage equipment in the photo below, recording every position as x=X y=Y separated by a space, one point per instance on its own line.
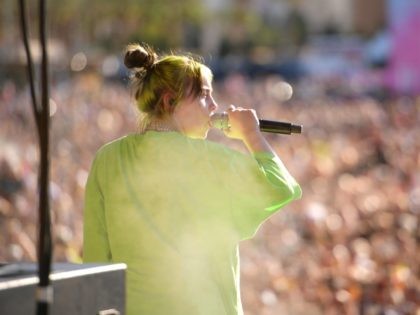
x=82 y=289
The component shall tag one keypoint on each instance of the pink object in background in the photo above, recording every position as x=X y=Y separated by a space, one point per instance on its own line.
x=403 y=75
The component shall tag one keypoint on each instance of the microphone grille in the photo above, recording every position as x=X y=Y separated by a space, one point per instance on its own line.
x=220 y=120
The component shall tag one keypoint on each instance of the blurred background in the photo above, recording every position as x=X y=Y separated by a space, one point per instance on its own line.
x=348 y=71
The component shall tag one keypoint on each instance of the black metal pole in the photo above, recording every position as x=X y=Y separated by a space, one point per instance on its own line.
x=45 y=244
x=44 y=292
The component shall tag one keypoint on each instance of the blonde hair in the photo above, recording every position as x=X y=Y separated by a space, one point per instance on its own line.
x=180 y=75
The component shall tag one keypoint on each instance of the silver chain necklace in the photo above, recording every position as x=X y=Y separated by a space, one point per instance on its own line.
x=156 y=125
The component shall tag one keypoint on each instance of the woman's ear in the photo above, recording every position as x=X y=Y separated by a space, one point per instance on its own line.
x=168 y=102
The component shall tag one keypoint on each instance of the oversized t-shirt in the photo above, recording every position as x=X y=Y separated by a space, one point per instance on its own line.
x=174 y=209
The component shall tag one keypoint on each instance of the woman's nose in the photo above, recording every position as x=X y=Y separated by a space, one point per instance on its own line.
x=213 y=106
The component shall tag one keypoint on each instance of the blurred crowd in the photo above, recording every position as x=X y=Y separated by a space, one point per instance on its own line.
x=351 y=245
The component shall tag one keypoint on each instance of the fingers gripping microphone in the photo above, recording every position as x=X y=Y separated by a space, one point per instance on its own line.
x=221 y=121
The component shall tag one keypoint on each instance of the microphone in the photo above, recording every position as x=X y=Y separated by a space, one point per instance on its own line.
x=221 y=121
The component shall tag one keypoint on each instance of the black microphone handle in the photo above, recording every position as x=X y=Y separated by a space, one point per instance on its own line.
x=279 y=127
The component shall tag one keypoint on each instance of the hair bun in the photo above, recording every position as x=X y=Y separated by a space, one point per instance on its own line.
x=137 y=56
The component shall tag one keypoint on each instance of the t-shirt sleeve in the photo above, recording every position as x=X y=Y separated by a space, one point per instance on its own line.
x=260 y=185
x=95 y=238
x=277 y=174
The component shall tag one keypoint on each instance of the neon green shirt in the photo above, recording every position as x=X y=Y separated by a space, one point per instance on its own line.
x=174 y=209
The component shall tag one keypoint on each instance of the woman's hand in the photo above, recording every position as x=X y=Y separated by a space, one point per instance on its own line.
x=244 y=126
x=243 y=123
